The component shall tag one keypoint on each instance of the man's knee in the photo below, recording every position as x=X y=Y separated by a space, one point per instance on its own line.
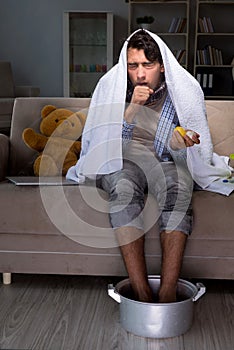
x=123 y=191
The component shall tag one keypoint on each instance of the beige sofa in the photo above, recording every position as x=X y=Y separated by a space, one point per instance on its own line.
x=66 y=230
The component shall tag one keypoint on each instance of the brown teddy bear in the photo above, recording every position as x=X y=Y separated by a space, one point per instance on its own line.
x=57 y=143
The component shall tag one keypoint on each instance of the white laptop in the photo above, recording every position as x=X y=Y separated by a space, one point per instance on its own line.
x=36 y=181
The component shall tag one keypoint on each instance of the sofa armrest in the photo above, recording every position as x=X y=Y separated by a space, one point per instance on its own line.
x=27 y=91
x=4 y=155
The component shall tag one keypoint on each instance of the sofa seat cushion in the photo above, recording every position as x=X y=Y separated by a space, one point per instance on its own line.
x=52 y=211
x=213 y=225
x=70 y=218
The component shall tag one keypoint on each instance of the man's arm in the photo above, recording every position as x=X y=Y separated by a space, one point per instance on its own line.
x=127 y=130
x=187 y=139
x=140 y=95
x=178 y=144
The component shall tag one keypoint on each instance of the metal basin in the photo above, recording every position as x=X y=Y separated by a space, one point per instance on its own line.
x=155 y=320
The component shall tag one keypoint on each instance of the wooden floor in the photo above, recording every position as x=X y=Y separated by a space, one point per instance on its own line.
x=74 y=312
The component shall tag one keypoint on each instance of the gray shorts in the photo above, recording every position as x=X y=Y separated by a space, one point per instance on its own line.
x=170 y=185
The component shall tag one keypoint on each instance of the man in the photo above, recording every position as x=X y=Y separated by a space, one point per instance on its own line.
x=131 y=143
x=146 y=74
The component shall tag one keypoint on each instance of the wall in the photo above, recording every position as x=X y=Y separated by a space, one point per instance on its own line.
x=31 y=37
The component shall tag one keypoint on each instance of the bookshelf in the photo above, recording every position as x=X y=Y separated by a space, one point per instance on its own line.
x=201 y=35
x=171 y=23
x=214 y=49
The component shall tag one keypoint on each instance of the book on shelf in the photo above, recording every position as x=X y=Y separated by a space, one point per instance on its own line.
x=198 y=77
x=180 y=55
x=177 y=25
x=209 y=56
x=206 y=82
x=205 y=25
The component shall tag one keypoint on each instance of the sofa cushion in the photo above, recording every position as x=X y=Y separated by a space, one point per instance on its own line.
x=221 y=122
x=27 y=114
x=86 y=221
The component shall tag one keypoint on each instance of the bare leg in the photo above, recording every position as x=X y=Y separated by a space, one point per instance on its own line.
x=131 y=242
x=173 y=244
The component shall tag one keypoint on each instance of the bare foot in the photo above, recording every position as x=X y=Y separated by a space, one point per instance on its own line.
x=143 y=294
x=146 y=297
x=167 y=296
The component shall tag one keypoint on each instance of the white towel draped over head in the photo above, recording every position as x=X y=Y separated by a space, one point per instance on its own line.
x=101 y=139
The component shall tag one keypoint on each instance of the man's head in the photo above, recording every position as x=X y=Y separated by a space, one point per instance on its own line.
x=144 y=60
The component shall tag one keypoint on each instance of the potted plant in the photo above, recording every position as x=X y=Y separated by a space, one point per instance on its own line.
x=145 y=21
